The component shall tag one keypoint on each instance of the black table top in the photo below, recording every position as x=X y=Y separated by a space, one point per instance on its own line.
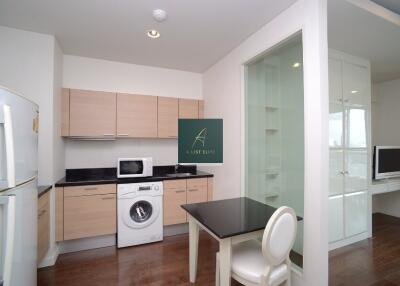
x=226 y=218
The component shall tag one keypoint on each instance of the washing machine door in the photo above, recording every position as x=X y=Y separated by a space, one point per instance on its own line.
x=142 y=212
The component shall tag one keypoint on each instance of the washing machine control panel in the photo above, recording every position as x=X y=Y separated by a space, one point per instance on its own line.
x=150 y=188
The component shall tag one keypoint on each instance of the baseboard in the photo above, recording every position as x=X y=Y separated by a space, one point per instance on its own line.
x=50 y=258
x=75 y=245
x=176 y=229
x=348 y=241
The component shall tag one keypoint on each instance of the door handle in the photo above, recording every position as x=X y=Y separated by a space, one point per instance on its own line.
x=180 y=191
x=9 y=144
x=90 y=188
x=9 y=202
x=108 y=198
x=193 y=190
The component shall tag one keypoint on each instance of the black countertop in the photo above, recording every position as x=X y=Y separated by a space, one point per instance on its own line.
x=42 y=190
x=226 y=218
x=97 y=176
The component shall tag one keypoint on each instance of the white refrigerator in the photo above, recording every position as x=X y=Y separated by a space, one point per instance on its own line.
x=18 y=189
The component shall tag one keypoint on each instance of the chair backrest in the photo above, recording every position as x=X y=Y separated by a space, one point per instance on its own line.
x=279 y=235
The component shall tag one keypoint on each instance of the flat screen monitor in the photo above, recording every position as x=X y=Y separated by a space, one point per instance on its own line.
x=386 y=162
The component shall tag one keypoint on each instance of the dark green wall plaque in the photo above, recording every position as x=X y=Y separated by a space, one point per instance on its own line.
x=200 y=141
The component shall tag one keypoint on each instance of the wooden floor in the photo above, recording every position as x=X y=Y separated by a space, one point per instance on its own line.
x=375 y=262
x=372 y=262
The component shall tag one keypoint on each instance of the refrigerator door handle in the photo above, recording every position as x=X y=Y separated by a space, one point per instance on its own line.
x=9 y=146
x=9 y=203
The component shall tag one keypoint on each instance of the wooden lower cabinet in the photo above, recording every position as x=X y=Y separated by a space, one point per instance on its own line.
x=174 y=197
x=180 y=192
x=43 y=225
x=196 y=190
x=90 y=215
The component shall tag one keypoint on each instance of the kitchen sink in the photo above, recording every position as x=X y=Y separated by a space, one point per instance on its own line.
x=179 y=174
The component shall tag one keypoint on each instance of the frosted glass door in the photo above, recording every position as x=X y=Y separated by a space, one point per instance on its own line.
x=356 y=178
x=356 y=84
x=335 y=81
x=336 y=229
x=356 y=213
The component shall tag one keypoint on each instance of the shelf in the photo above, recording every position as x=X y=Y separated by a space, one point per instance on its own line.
x=271 y=195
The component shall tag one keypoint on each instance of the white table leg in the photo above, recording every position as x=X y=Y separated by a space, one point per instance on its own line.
x=225 y=253
x=193 y=248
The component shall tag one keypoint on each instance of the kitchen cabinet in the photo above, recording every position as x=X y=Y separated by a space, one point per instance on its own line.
x=201 y=109
x=174 y=197
x=196 y=190
x=89 y=211
x=92 y=114
x=65 y=112
x=136 y=116
x=188 y=108
x=43 y=225
x=180 y=192
x=59 y=213
x=168 y=112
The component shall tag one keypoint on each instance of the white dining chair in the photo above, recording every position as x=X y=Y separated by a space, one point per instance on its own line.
x=265 y=263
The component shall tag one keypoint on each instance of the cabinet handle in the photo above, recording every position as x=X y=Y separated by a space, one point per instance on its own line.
x=123 y=135
x=90 y=188
x=346 y=172
x=108 y=135
x=41 y=213
x=193 y=190
x=180 y=191
x=108 y=198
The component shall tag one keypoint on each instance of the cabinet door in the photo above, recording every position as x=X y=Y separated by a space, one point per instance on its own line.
x=65 y=112
x=188 y=108
x=335 y=81
x=356 y=84
x=336 y=228
x=59 y=214
x=210 y=189
x=136 y=115
x=201 y=109
x=43 y=225
x=356 y=162
x=336 y=173
x=174 y=197
x=196 y=190
x=168 y=112
x=356 y=213
x=86 y=216
x=92 y=113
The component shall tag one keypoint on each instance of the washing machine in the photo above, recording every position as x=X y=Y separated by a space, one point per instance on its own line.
x=140 y=213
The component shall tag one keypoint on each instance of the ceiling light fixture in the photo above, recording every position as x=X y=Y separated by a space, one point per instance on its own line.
x=296 y=65
x=159 y=15
x=154 y=34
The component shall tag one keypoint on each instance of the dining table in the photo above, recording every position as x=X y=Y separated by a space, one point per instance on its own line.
x=229 y=221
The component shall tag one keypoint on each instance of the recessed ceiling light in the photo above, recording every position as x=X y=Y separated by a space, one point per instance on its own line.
x=154 y=34
x=296 y=65
x=354 y=91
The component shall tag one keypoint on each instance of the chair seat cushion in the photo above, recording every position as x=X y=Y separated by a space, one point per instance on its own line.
x=249 y=263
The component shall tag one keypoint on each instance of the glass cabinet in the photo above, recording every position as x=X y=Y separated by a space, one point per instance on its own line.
x=349 y=128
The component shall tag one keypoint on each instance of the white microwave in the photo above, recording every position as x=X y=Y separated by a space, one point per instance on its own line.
x=134 y=167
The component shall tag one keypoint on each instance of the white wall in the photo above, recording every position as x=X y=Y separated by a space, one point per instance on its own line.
x=95 y=74
x=26 y=66
x=222 y=89
x=385 y=131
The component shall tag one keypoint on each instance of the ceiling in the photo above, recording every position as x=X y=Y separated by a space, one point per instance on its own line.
x=195 y=36
x=358 y=32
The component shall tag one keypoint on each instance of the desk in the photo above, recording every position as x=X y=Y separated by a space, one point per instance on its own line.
x=229 y=222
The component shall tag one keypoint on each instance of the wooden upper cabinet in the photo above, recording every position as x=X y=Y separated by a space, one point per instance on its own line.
x=136 y=115
x=168 y=112
x=92 y=113
x=201 y=109
x=188 y=108
x=65 y=112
